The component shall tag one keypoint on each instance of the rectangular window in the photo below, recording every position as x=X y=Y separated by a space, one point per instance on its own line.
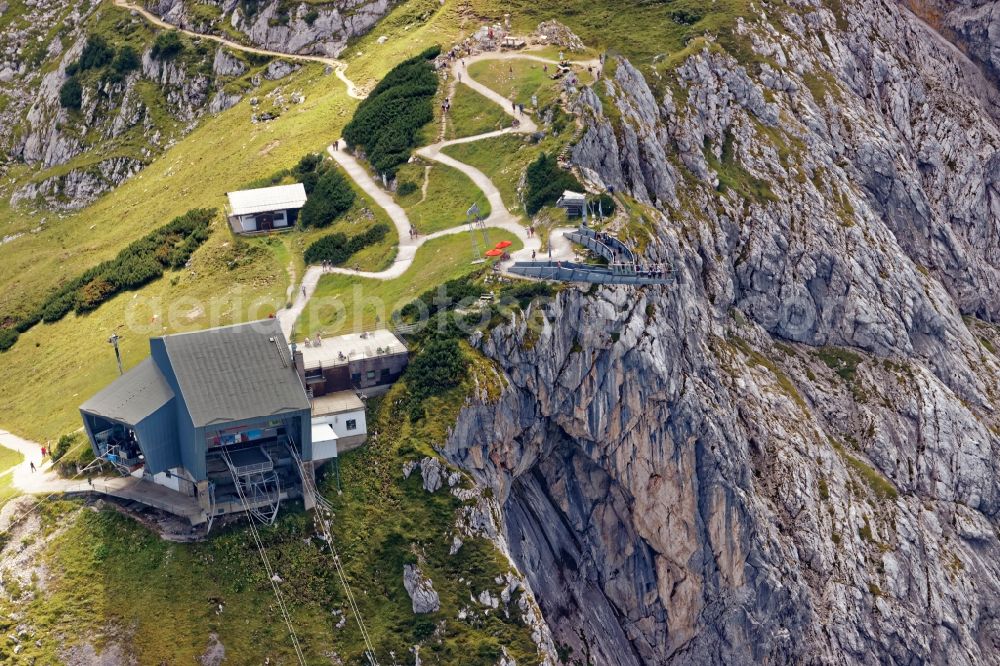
x=370 y=374
x=352 y=424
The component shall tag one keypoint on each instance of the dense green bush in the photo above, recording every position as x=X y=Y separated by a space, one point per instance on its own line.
x=8 y=336
x=63 y=445
x=387 y=122
x=141 y=262
x=438 y=367
x=309 y=169
x=167 y=45
x=406 y=188
x=331 y=197
x=96 y=54
x=127 y=60
x=71 y=94
x=603 y=203
x=523 y=293
x=336 y=248
x=545 y=182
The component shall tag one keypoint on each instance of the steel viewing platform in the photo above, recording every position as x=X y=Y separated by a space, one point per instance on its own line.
x=622 y=267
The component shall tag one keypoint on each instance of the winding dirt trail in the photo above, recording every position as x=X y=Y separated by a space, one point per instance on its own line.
x=500 y=216
x=340 y=67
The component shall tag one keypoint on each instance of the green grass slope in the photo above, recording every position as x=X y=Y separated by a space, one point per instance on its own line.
x=450 y=193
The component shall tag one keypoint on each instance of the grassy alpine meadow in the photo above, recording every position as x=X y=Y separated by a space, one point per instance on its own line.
x=504 y=159
x=473 y=114
x=343 y=303
x=9 y=458
x=450 y=193
x=222 y=154
x=523 y=80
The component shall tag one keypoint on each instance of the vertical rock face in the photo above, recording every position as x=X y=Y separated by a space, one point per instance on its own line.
x=973 y=25
x=791 y=453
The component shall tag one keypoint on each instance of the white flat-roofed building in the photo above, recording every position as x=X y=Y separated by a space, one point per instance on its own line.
x=266 y=208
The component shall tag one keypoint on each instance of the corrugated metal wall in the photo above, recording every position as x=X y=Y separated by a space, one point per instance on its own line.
x=157 y=435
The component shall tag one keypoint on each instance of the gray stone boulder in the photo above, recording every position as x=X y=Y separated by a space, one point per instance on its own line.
x=433 y=473
x=421 y=590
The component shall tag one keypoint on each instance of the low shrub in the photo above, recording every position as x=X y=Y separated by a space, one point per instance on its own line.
x=127 y=60
x=438 y=367
x=523 y=293
x=71 y=94
x=603 y=204
x=96 y=54
x=168 y=45
x=63 y=445
x=330 y=198
x=309 y=169
x=406 y=188
x=337 y=248
x=387 y=122
x=445 y=297
x=8 y=336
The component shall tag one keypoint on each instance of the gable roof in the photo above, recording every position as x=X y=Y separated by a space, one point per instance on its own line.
x=263 y=199
x=235 y=373
x=133 y=396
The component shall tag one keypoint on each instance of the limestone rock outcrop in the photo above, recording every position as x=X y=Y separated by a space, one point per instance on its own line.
x=307 y=28
x=421 y=590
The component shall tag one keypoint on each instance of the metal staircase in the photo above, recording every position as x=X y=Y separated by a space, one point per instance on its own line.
x=257 y=484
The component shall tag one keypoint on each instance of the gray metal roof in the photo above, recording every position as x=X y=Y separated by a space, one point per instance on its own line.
x=133 y=396
x=235 y=373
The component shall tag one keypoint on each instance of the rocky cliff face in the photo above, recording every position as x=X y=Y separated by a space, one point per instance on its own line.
x=972 y=25
x=790 y=454
x=307 y=28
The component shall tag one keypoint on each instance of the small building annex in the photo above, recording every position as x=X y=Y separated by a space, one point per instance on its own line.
x=266 y=208
x=361 y=362
x=575 y=203
x=219 y=415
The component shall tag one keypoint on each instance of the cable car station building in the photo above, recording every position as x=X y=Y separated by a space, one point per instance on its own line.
x=220 y=416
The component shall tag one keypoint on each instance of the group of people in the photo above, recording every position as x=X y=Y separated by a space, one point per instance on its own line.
x=413 y=233
x=315 y=342
x=656 y=271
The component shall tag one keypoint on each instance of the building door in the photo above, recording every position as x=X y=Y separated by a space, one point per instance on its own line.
x=265 y=222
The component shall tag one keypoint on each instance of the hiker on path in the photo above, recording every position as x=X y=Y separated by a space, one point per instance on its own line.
x=303 y=291
x=32 y=463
